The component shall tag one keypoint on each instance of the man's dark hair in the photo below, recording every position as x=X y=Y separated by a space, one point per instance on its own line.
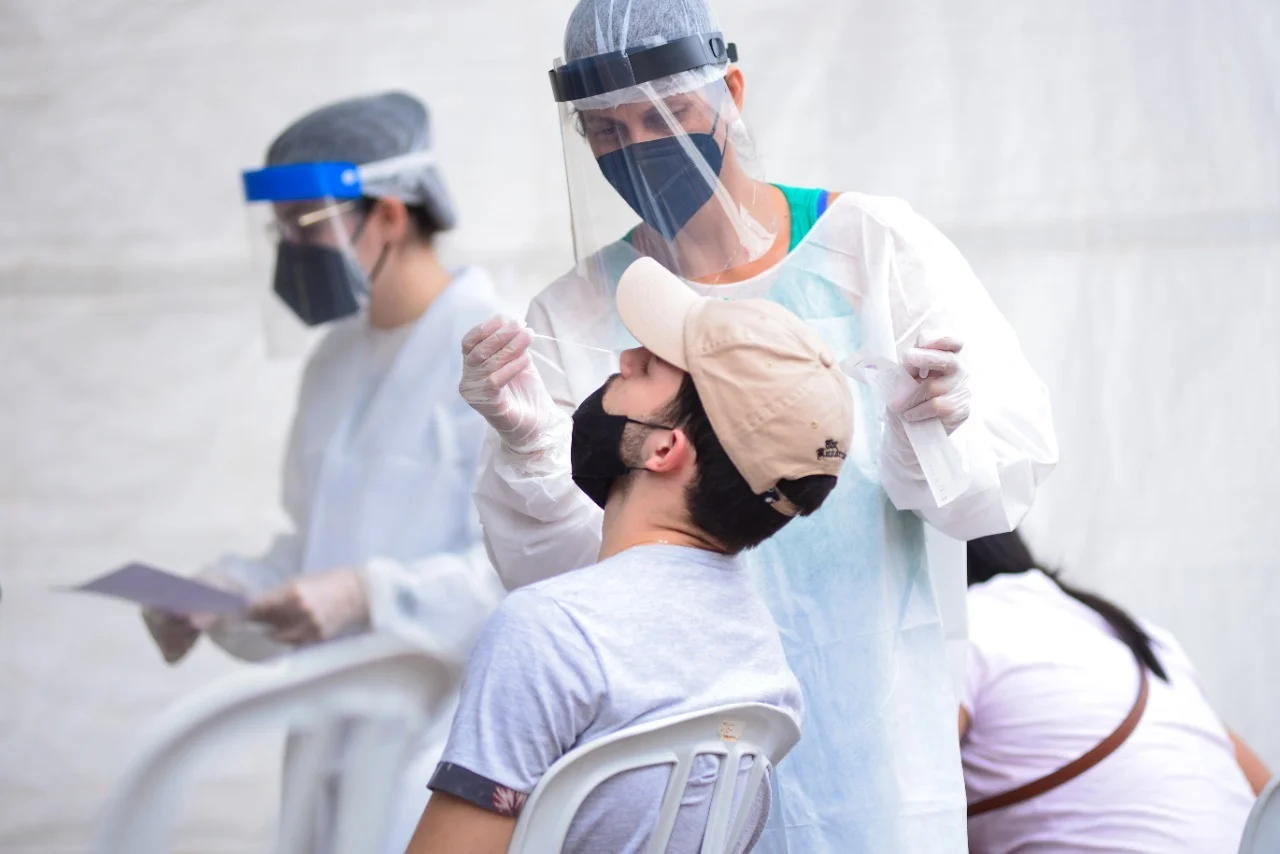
x=721 y=504
x=425 y=227
x=1008 y=554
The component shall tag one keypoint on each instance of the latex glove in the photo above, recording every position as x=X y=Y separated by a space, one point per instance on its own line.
x=943 y=391
x=315 y=607
x=500 y=382
x=175 y=634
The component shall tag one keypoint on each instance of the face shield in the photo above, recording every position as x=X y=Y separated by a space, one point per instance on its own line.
x=307 y=220
x=657 y=155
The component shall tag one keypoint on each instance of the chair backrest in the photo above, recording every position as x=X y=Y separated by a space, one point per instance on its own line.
x=1262 y=830
x=373 y=694
x=750 y=729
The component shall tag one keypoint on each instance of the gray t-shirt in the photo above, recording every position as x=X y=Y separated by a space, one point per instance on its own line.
x=652 y=632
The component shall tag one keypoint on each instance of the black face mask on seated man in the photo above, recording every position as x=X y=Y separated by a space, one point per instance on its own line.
x=595 y=453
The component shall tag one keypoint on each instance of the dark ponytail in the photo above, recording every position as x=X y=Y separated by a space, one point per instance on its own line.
x=1002 y=554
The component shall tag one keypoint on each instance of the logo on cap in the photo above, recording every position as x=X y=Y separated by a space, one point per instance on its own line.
x=831 y=451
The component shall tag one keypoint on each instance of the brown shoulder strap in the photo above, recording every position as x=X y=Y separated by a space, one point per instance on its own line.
x=1074 y=768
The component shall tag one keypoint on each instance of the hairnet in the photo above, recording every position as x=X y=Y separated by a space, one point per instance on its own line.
x=606 y=26
x=366 y=130
x=602 y=26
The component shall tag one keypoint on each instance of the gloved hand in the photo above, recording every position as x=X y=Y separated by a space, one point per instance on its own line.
x=500 y=382
x=175 y=634
x=314 y=607
x=943 y=391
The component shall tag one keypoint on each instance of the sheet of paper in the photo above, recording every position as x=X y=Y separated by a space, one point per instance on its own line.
x=146 y=585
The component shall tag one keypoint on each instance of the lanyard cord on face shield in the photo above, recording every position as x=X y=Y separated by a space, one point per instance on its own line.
x=716 y=278
x=1076 y=767
x=382 y=256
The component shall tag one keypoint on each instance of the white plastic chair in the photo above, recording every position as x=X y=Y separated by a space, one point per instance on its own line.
x=373 y=694
x=750 y=729
x=1262 y=830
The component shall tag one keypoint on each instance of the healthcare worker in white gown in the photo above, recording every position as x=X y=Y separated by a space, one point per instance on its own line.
x=383 y=453
x=660 y=163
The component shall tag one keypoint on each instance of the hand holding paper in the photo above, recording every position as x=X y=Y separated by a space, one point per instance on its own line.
x=176 y=610
x=314 y=607
x=164 y=591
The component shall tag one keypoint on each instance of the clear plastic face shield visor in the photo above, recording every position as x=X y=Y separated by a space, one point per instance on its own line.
x=306 y=224
x=657 y=155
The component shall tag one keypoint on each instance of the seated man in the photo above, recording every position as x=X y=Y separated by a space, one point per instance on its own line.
x=728 y=422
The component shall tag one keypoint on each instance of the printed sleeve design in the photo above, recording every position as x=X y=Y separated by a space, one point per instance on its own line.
x=476 y=789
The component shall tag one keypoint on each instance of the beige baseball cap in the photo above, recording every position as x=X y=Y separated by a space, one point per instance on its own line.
x=775 y=395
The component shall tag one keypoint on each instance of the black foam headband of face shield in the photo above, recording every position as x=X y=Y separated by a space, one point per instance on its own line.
x=622 y=69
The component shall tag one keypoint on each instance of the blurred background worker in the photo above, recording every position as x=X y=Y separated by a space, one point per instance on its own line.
x=661 y=164
x=382 y=454
x=1052 y=673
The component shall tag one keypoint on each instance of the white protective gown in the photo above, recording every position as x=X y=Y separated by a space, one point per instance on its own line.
x=878 y=768
x=381 y=462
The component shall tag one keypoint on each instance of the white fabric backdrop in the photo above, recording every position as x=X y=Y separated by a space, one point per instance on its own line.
x=1110 y=169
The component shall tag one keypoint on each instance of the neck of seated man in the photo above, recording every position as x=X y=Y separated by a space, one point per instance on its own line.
x=648 y=508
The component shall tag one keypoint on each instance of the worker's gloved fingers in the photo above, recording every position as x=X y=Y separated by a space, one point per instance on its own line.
x=951 y=409
x=919 y=361
x=934 y=340
x=501 y=382
x=284 y=615
x=173 y=633
x=497 y=346
x=942 y=387
x=515 y=343
x=300 y=633
x=503 y=376
x=479 y=333
x=315 y=607
x=278 y=607
x=490 y=368
x=924 y=390
x=934 y=407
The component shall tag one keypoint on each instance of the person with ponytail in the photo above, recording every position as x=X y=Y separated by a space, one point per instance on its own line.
x=1083 y=728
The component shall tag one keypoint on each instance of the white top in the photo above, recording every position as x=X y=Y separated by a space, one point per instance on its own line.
x=650 y=633
x=378 y=473
x=381 y=459
x=1046 y=681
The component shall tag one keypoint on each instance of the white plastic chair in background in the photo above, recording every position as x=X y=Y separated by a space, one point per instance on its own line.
x=373 y=693
x=1262 y=830
x=751 y=729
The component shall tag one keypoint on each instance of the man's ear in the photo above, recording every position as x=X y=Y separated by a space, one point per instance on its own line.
x=668 y=451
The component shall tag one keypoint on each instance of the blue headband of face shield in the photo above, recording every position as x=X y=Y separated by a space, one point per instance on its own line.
x=296 y=182
x=318 y=283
